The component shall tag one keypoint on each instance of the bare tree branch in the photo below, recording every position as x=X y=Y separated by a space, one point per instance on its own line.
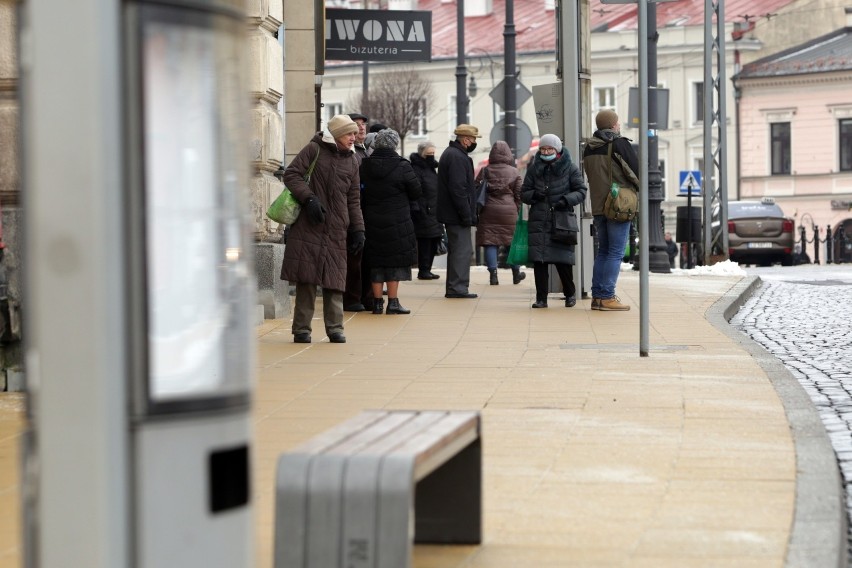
x=394 y=99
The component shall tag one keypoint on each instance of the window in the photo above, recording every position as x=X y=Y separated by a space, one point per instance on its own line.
x=698 y=102
x=420 y=128
x=332 y=110
x=845 y=145
x=780 y=147
x=604 y=98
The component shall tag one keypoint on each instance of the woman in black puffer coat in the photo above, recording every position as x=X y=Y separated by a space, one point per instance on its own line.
x=553 y=181
x=389 y=186
x=425 y=210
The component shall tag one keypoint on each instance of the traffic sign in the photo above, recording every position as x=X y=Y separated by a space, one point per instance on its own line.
x=690 y=182
x=498 y=94
x=523 y=135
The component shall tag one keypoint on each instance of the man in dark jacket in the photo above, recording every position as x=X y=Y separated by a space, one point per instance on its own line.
x=457 y=208
x=608 y=159
x=354 y=260
x=425 y=215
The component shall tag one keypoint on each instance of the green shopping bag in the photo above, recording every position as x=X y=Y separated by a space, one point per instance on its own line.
x=285 y=209
x=519 y=249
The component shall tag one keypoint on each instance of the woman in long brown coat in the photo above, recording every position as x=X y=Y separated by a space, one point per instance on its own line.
x=497 y=218
x=315 y=254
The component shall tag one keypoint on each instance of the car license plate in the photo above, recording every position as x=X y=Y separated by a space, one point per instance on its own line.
x=759 y=245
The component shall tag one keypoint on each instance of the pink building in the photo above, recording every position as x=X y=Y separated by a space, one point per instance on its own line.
x=794 y=117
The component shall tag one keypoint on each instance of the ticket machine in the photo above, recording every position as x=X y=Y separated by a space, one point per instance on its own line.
x=139 y=284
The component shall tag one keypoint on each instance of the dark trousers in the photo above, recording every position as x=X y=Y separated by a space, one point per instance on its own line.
x=366 y=284
x=542 y=279
x=426 y=249
x=352 y=294
x=459 y=253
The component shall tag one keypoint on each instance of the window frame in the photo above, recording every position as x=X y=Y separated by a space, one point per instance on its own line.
x=783 y=158
x=697 y=100
x=847 y=138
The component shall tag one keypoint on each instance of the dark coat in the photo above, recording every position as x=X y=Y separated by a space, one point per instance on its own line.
x=456 y=196
x=497 y=219
x=316 y=254
x=596 y=162
x=545 y=184
x=425 y=215
x=390 y=185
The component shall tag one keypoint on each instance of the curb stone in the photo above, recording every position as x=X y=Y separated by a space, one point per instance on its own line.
x=818 y=533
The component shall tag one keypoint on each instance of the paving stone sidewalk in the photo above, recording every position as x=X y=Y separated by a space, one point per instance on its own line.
x=593 y=455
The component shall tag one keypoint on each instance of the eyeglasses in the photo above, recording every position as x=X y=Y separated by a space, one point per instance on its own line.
x=547 y=150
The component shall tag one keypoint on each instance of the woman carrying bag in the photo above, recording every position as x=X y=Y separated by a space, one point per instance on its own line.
x=497 y=219
x=553 y=184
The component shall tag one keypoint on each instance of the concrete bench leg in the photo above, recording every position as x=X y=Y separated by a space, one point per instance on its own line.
x=448 y=502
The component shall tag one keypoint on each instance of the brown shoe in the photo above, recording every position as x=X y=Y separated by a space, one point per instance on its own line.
x=613 y=305
x=596 y=303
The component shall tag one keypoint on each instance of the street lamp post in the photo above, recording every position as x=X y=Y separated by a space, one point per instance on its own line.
x=510 y=108
x=657 y=256
x=462 y=100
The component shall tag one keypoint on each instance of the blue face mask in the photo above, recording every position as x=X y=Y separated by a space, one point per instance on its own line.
x=548 y=157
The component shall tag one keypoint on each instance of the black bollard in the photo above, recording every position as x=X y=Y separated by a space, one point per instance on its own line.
x=816 y=245
x=828 y=245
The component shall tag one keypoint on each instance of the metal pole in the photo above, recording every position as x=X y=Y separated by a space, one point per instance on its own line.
x=644 y=196
x=365 y=87
x=461 y=71
x=510 y=78
x=658 y=257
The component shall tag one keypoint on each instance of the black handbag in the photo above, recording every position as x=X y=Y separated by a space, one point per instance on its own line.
x=482 y=191
x=564 y=227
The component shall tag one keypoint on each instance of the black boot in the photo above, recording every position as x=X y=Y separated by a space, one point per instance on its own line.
x=540 y=302
x=378 y=305
x=517 y=275
x=493 y=280
x=395 y=308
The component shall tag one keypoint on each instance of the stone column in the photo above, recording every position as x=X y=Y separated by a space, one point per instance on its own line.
x=11 y=359
x=266 y=85
x=300 y=75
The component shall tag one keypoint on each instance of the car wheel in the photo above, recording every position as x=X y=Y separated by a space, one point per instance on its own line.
x=787 y=260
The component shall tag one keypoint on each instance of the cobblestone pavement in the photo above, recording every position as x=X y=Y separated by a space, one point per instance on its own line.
x=802 y=316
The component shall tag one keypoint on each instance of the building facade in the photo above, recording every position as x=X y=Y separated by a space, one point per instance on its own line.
x=796 y=131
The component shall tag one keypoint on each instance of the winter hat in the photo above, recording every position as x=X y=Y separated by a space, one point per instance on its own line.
x=423 y=146
x=551 y=140
x=377 y=127
x=386 y=138
x=341 y=125
x=606 y=119
x=467 y=130
x=359 y=116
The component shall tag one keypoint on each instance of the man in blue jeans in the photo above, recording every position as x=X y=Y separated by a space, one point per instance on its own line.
x=608 y=159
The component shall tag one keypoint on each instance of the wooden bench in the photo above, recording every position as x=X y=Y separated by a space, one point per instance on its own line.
x=355 y=495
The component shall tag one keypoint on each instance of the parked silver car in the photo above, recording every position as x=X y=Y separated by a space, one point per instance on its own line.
x=759 y=233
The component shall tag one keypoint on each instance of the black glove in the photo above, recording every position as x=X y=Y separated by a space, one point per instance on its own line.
x=561 y=204
x=538 y=195
x=315 y=211
x=356 y=242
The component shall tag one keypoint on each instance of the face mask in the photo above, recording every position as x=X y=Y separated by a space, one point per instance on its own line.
x=431 y=161
x=548 y=157
x=471 y=148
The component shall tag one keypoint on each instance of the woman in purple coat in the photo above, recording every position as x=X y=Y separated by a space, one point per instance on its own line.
x=497 y=218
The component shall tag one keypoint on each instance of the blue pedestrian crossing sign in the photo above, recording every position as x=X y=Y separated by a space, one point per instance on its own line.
x=690 y=179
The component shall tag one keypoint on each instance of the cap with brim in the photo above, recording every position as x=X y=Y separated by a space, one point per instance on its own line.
x=467 y=130
x=358 y=116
